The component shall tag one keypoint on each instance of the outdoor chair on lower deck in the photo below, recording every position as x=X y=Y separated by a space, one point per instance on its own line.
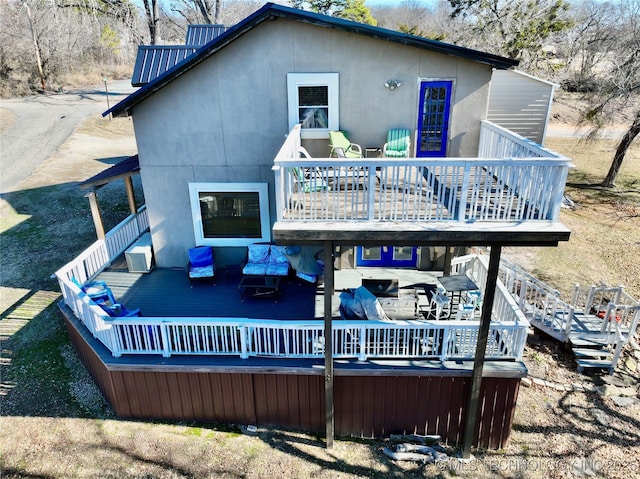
x=202 y=264
x=438 y=305
x=264 y=259
x=102 y=295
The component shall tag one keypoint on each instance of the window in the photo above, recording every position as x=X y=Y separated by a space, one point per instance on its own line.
x=230 y=214
x=313 y=102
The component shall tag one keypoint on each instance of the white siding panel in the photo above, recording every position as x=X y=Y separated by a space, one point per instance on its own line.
x=520 y=103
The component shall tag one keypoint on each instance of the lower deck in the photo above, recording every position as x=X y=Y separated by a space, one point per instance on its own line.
x=372 y=399
x=166 y=292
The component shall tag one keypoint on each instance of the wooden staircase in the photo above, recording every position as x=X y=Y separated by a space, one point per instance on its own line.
x=596 y=341
x=593 y=351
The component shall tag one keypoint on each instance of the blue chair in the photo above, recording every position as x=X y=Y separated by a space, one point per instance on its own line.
x=118 y=310
x=101 y=294
x=202 y=264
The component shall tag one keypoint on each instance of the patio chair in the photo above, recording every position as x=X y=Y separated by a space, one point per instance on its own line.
x=118 y=310
x=438 y=304
x=102 y=295
x=309 y=179
x=341 y=146
x=398 y=143
x=98 y=291
x=465 y=311
x=337 y=176
x=202 y=264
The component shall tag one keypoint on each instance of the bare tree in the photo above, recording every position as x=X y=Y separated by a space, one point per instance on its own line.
x=621 y=151
x=412 y=17
x=199 y=11
x=36 y=44
x=580 y=51
x=44 y=43
x=511 y=28
x=617 y=81
x=151 y=12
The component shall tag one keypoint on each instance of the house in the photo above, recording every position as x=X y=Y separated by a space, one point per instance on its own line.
x=222 y=137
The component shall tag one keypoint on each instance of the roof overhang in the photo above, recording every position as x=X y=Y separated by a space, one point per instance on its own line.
x=121 y=170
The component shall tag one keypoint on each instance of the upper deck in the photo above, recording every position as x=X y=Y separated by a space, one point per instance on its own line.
x=510 y=195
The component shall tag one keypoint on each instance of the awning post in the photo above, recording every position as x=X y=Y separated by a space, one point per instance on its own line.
x=131 y=197
x=95 y=213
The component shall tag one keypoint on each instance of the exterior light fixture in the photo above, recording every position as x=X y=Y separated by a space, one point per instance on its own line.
x=393 y=84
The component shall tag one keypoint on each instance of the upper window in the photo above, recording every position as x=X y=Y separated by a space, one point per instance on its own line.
x=230 y=214
x=313 y=102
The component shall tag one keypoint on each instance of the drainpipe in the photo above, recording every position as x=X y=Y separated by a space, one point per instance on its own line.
x=478 y=363
x=95 y=213
x=328 y=342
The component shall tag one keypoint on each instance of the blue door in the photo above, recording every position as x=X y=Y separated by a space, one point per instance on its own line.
x=433 y=118
x=387 y=256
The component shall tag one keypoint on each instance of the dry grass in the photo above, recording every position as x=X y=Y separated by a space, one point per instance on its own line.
x=94 y=75
x=605 y=239
x=55 y=424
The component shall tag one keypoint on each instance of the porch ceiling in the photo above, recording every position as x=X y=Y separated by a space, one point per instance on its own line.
x=443 y=233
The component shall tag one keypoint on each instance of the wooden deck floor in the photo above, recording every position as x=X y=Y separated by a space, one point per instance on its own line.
x=167 y=292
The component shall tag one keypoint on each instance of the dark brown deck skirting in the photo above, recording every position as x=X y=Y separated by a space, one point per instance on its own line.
x=371 y=400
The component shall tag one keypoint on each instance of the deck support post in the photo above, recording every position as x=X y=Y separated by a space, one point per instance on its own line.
x=478 y=363
x=329 y=255
x=95 y=213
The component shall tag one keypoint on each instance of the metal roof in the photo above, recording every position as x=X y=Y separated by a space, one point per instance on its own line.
x=272 y=11
x=203 y=34
x=154 y=60
x=124 y=168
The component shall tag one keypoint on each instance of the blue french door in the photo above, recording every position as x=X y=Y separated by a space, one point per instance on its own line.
x=387 y=256
x=433 y=118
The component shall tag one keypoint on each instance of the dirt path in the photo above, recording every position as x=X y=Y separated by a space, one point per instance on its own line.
x=33 y=128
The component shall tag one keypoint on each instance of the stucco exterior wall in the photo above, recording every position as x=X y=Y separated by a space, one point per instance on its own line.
x=225 y=119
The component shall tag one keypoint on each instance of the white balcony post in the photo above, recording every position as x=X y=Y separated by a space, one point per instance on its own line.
x=444 y=350
x=280 y=195
x=244 y=352
x=371 y=193
x=164 y=334
x=363 y=343
x=464 y=193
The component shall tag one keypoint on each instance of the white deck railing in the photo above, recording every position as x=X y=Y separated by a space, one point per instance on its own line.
x=246 y=337
x=541 y=304
x=100 y=254
x=544 y=307
x=515 y=180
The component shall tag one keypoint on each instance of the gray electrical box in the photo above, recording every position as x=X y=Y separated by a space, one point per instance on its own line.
x=139 y=256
